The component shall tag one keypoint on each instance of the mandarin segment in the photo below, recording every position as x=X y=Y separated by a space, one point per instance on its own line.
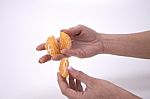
x=63 y=67
x=52 y=46
x=65 y=41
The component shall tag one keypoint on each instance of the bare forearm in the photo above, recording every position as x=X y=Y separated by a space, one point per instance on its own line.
x=132 y=45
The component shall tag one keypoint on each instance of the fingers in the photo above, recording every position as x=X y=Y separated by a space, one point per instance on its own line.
x=45 y=58
x=48 y=57
x=74 y=31
x=78 y=85
x=81 y=76
x=40 y=47
x=72 y=84
x=65 y=88
x=62 y=82
x=75 y=85
x=68 y=52
x=74 y=52
x=59 y=57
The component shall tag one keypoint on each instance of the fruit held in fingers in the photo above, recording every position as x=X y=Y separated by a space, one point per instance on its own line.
x=65 y=41
x=63 y=68
x=52 y=46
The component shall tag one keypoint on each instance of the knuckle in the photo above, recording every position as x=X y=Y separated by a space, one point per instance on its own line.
x=80 y=25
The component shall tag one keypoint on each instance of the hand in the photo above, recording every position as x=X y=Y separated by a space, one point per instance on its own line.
x=85 y=43
x=95 y=88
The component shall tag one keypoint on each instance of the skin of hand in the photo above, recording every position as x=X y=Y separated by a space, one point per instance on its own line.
x=95 y=88
x=85 y=43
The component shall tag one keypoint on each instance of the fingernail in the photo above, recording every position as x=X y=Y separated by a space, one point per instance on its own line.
x=37 y=49
x=40 y=61
x=70 y=68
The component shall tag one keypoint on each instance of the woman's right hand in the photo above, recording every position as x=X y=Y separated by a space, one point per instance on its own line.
x=94 y=89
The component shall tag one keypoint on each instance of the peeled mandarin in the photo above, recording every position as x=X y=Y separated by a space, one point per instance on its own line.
x=52 y=46
x=65 y=41
x=63 y=67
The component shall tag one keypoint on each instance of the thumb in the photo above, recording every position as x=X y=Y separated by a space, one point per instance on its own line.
x=79 y=75
x=73 y=31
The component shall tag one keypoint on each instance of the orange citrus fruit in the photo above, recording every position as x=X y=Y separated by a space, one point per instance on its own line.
x=64 y=41
x=52 y=46
x=63 y=67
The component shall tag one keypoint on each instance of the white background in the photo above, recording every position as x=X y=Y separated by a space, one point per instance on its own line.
x=24 y=24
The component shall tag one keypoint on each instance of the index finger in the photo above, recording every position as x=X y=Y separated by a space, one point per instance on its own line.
x=40 y=47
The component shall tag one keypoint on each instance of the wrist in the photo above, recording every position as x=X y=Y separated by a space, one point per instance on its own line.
x=103 y=40
x=99 y=42
x=110 y=43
